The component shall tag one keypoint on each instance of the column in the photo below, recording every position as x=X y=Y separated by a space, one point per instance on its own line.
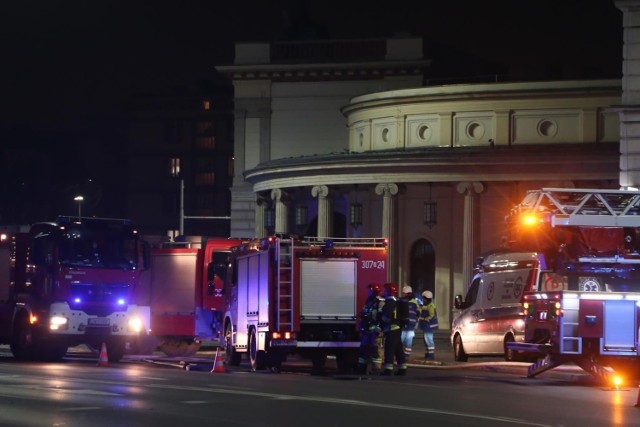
x=282 y=214
x=259 y=217
x=388 y=191
x=629 y=112
x=469 y=189
x=325 y=211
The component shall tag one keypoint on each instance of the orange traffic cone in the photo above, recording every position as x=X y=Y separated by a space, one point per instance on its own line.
x=104 y=358
x=218 y=363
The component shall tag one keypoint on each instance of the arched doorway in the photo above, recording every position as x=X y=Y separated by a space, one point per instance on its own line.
x=422 y=272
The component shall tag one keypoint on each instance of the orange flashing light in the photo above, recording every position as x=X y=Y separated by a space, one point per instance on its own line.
x=530 y=219
x=33 y=319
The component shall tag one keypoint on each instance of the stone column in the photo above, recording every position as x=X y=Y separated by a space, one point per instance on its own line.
x=325 y=211
x=282 y=212
x=261 y=205
x=389 y=226
x=630 y=112
x=469 y=189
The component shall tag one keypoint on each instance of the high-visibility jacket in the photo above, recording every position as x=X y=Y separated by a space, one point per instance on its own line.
x=415 y=309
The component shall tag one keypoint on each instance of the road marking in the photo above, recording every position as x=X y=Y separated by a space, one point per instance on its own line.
x=195 y=402
x=82 y=408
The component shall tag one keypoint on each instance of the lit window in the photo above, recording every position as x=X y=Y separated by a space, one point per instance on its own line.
x=175 y=167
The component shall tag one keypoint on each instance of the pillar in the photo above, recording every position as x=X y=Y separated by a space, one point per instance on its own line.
x=469 y=189
x=389 y=227
x=325 y=211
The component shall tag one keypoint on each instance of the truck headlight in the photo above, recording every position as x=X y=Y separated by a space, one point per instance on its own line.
x=57 y=323
x=136 y=325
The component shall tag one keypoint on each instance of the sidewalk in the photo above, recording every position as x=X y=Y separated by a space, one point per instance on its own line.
x=443 y=353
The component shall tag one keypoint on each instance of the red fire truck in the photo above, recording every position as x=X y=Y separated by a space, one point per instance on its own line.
x=185 y=296
x=586 y=308
x=299 y=296
x=71 y=282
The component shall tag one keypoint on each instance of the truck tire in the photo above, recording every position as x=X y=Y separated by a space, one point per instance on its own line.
x=458 y=350
x=256 y=357
x=115 y=350
x=231 y=356
x=22 y=345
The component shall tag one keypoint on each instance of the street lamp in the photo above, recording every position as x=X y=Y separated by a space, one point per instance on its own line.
x=79 y=199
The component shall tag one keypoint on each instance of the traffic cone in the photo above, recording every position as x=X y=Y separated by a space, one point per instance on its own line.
x=218 y=363
x=103 y=360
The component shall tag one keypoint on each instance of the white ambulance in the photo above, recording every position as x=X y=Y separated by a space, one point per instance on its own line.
x=491 y=314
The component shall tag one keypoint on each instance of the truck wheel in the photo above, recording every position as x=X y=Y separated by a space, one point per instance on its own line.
x=231 y=356
x=115 y=350
x=21 y=344
x=458 y=350
x=318 y=361
x=256 y=357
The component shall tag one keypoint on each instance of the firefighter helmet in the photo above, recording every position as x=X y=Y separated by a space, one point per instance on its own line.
x=427 y=294
x=391 y=288
x=407 y=289
x=375 y=288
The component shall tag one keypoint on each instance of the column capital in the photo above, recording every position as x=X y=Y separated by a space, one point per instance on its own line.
x=320 y=191
x=470 y=188
x=387 y=189
x=279 y=195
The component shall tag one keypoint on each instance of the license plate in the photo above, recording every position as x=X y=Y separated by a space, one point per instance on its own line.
x=99 y=321
x=281 y=343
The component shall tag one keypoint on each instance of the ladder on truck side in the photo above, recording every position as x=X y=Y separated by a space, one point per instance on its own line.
x=284 y=297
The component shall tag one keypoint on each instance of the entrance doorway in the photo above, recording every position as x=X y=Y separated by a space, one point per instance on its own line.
x=422 y=270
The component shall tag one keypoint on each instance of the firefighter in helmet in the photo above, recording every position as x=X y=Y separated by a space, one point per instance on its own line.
x=392 y=331
x=428 y=322
x=370 y=330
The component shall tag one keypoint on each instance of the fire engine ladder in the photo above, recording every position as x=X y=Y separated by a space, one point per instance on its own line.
x=572 y=207
x=285 y=276
x=585 y=207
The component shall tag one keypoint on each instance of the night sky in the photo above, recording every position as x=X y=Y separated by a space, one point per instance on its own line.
x=69 y=67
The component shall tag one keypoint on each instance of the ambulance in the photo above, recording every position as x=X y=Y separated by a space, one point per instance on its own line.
x=491 y=314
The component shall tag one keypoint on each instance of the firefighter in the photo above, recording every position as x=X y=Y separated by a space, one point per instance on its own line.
x=409 y=328
x=392 y=332
x=370 y=331
x=428 y=322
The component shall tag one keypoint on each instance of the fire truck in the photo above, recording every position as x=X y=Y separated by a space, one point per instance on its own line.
x=71 y=282
x=586 y=307
x=299 y=296
x=185 y=295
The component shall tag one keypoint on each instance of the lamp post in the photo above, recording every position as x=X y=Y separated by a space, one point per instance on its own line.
x=79 y=199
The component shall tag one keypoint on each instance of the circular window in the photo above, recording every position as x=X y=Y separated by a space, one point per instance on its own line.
x=361 y=139
x=475 y=130
x=424 y=132
x=385 y=135
x=547 y=128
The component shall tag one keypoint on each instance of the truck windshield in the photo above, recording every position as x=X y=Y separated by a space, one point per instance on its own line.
x=98 y=248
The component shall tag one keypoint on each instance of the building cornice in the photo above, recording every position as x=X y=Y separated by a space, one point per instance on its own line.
x=567 y=162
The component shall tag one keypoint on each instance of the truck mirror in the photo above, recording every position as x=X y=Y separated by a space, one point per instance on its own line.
x=457 y=302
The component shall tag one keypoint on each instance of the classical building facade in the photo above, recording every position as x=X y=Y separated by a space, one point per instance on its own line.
x=337 y=149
